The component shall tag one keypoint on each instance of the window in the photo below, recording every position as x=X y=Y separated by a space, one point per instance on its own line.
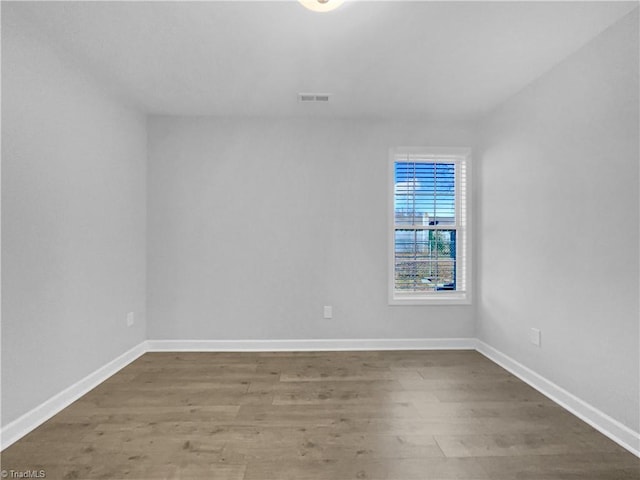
x=429 y=261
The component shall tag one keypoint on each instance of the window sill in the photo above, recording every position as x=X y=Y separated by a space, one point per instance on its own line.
x=444 y=299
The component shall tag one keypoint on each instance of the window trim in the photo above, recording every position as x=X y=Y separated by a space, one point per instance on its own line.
x=463 y=208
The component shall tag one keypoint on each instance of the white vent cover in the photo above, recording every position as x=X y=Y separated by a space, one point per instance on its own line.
x=313 y=97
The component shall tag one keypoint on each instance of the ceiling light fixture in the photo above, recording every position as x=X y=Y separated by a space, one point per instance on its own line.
x=321 y=5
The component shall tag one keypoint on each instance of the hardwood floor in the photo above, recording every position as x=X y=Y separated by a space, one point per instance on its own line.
x=332 y=415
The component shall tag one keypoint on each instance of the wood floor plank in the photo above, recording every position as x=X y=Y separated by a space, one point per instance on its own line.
x=328 y=443
x=329 y=388
x=317 y=415
x=396 y=469
x=590 y=466
x=321 y=414
x=350 y=394
x=535 y=443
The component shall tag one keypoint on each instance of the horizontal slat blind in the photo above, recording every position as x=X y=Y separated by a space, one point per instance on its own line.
x=425 y=193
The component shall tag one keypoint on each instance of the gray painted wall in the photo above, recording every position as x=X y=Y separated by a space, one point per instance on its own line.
x=73 y=223
x=558 y=225
x=255 y=224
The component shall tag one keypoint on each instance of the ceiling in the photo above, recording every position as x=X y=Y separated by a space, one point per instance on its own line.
x=432 y=60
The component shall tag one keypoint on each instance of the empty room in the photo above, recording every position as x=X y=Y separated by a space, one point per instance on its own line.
x=320 y=240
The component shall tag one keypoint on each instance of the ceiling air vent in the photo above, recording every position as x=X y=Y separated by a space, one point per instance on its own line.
x=313 y=97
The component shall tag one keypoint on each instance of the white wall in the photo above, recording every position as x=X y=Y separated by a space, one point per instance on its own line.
x=73 y=222
x=255 y=224
x=559 y=224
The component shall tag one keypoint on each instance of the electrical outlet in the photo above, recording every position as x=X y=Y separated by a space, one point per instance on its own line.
x=130 y=319
x=534 y=336
x=328 y=311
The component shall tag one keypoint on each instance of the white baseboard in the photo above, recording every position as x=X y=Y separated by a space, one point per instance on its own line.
x=310 y=345
x=616 y=431
x=43 y=412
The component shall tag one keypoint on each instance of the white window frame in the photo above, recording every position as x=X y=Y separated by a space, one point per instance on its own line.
x=462 y=158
